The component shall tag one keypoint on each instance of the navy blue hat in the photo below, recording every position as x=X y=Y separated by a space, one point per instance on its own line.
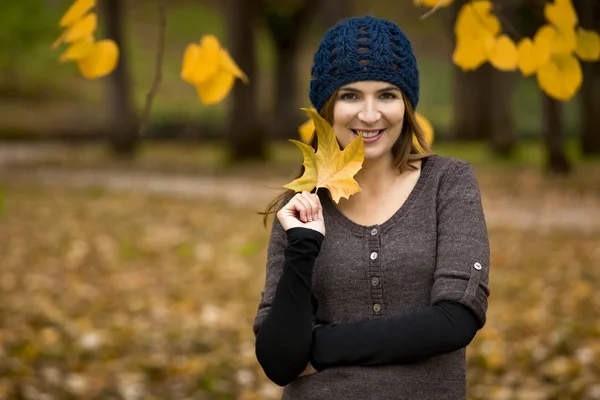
x=360 y=49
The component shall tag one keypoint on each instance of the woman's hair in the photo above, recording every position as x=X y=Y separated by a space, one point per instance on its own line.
x=404 y=151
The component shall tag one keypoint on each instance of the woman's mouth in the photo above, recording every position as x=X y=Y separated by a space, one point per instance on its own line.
x=370 y=135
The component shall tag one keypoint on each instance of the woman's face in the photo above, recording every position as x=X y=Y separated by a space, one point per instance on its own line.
x=373 y=107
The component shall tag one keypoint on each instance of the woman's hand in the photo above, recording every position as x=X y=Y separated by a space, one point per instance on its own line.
x=304 y=210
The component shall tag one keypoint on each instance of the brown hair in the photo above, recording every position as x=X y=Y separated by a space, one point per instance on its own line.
x=403 y=151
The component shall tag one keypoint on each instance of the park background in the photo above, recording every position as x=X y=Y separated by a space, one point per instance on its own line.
x=131 y=266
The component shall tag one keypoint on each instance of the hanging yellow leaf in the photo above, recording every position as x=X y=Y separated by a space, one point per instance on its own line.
x=82 y=28
x=78 y=50
x=329 y=167
x=475 y=21
x=527 y=61
x=560 y=41
x=231 y=66
x=201 y=61
x=210 y=69
x=561 y=77
x=101 y=61
x=503 y=54
x=216 y=88
x=469 y=54
x=588 y=45
x=427 y=129
x=75 y=12
x=306 y=131
x=561 y=14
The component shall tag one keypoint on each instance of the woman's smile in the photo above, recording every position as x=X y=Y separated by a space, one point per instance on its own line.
x=369 y=135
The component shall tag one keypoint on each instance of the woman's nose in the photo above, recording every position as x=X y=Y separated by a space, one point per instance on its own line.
x=369 y=114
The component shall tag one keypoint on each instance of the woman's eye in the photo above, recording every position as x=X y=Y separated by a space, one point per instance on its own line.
x=388 y=96
x=349 y=96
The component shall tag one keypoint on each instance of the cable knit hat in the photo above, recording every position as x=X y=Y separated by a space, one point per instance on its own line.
x=360 y=49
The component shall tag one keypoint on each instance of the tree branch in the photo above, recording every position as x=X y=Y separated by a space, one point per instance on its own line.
x=433 y=9
x=160 y=55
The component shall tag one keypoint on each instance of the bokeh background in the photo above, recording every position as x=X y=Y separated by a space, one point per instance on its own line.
x=131 y=266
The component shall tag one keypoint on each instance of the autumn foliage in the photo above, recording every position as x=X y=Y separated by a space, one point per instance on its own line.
x=553 y=54
x=94 y=58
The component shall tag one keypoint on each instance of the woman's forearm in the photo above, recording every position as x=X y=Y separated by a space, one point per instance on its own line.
x=284 y=339
x=433 y=331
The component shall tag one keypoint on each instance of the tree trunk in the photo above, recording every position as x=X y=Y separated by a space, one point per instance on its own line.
x=287 y=114
x=503 y=130
x=553 y=132
x=245 y=137
x=122 y=135
x=287 y=32
x=589 y=18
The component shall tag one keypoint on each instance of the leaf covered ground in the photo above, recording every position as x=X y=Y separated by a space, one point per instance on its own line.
x=115 y=295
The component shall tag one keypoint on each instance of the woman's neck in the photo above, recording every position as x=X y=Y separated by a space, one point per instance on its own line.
x=375 y=178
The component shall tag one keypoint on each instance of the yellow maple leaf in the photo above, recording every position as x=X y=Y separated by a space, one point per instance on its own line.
x=84 y=27
x=75 y=12
x=79 y=49
x=588 y=45
x=561 y=77
x=329 y=167
x=502 y=53
x=561 y=14
x=210 y=69
x=306 y=131
x=101 y=61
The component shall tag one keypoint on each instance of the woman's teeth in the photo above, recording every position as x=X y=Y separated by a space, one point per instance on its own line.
x=368 y=134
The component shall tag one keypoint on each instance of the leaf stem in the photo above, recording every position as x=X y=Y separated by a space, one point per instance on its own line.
x=160 y=54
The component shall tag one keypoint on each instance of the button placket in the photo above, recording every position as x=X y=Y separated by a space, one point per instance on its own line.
x=374 y=271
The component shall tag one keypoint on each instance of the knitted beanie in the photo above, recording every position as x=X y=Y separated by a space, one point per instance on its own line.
x=360 y=49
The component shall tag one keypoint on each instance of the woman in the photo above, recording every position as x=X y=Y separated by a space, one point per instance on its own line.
x=377 y=296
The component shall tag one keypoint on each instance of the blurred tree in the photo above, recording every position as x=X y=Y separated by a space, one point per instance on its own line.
x=122 y=129
x=25 y=27
x=589 y=12
x=482 y=101
x=287 y=22
x=335 y=10
x=246 y=137
x=553 y=132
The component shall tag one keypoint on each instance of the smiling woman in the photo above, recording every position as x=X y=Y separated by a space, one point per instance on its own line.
x=393 y=277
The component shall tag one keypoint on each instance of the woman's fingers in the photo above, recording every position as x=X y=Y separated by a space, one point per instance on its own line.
x=303 y=207
x=313 y=201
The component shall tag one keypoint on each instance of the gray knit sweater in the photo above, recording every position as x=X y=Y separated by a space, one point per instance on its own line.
x=434 y=248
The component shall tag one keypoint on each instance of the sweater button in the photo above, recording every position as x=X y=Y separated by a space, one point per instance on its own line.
x=375 y=281
x=377 y=307
x=373 y=255
x=373 y=231
x=477 y=266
